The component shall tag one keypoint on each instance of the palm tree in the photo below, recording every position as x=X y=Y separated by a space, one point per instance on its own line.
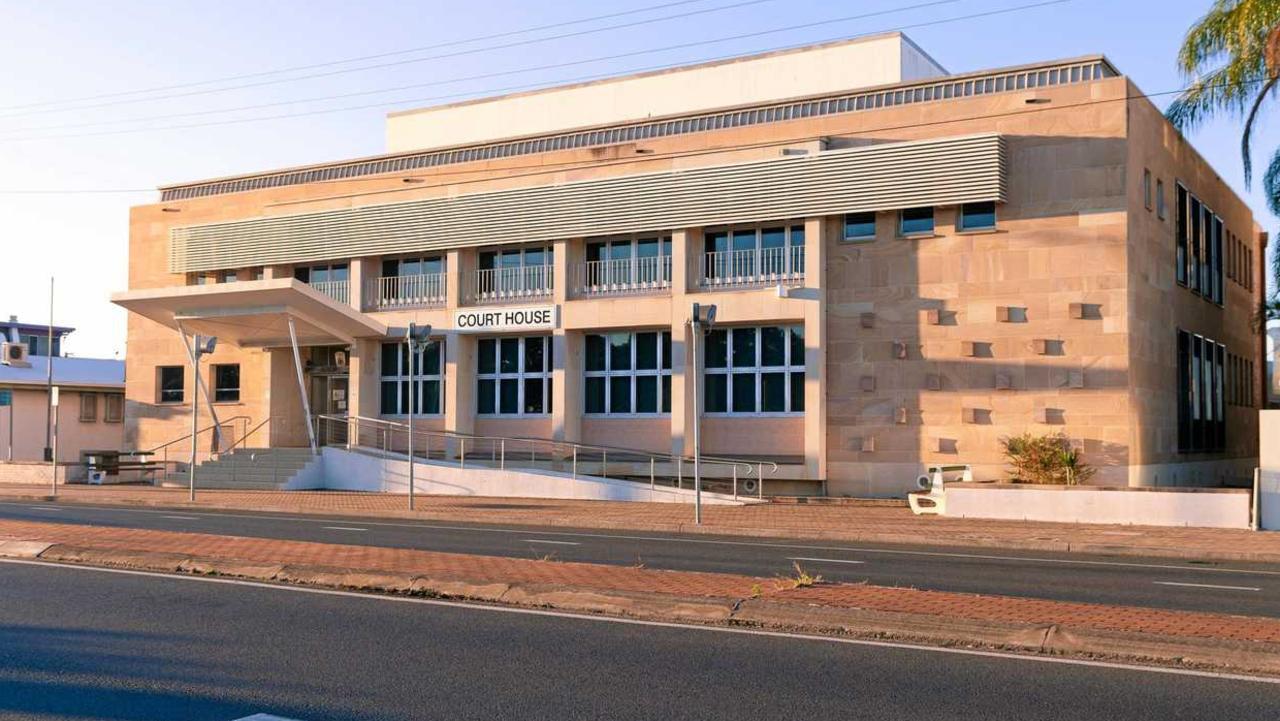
x=1232 y=59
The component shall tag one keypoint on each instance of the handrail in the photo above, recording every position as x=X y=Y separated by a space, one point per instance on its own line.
x=773 y=467
x=249 y=433
x=223 y=422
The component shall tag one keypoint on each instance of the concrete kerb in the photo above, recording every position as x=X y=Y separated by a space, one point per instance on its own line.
x=763 y=613
x=1107 y=549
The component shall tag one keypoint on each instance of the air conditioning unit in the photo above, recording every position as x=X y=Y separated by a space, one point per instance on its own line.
x=14 y=354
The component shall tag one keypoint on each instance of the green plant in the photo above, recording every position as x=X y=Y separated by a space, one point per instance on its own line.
x=799 y=579
x=1232 y=58
x=1048 y=459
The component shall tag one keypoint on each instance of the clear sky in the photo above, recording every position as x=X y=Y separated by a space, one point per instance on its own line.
x=69 y=50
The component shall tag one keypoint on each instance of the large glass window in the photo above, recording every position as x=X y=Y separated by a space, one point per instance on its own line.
x=226 y=383
x=169 y=381
x=1181 y=233
x=515 y=271
x=626 y=261
x=761 y=253
x=324 y=273
x=1201 y=409
x=514 y=376
x=754 y=370
x=428 y=371
x=412 y=266
x=628 y=373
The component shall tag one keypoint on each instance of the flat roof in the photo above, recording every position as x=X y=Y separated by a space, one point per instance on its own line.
x=105 y=373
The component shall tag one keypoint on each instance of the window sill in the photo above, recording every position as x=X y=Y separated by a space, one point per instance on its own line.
x=978 y=231
x=918 y=236
x=858 y=241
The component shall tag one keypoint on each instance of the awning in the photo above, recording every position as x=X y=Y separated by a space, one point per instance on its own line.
x=253 y=313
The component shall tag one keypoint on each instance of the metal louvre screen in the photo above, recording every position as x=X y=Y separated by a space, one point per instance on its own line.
x=890 y=176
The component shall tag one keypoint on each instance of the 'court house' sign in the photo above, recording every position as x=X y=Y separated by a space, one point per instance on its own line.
x=506 y=319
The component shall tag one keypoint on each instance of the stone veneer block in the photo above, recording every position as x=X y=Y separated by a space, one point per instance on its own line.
x=933 y=382
x=868 y=320
x=1004 y=382
x=868 y=383
x=868 y=444
x=969 y=415
x=1075 y=379
x=969 y=349
x=1077 y=310
x=1041 y=346
x=1003 y=313
x=900 y=416
x=935 y=316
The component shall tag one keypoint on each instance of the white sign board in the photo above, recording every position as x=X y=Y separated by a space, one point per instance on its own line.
x=492 y=320
x=54 y=399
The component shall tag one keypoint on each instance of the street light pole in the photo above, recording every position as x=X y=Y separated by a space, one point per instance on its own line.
x=200 y=347
x=416 y=338
x=704 y=316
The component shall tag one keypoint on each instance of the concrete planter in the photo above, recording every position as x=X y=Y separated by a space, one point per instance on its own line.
x=1203 y=507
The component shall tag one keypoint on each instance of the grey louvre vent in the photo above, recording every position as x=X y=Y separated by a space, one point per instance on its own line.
x=1062 y=73
x=942 y=171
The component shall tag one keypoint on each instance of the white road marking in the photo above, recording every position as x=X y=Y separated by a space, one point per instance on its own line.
x=44 y=508
x=823 y=560
x=265 y=717
x=1206 y=585
x=182 y=518
x=275 y=517
x=554 y=543
x=658 y=624
x=345 y=528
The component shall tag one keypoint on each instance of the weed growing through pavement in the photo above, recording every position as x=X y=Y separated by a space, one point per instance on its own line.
x=800 y=578
x=546 y=557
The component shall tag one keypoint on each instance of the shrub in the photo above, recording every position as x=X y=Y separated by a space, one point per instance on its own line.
x=1045 y=459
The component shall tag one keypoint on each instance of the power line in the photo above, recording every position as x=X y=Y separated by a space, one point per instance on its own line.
x=544 y=168
x=386 y=104
x=407 y=51
x=502 y=73
x=438 y=56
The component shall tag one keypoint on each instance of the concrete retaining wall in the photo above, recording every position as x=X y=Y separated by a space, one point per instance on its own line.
x=1202 y=507
x=350 y=471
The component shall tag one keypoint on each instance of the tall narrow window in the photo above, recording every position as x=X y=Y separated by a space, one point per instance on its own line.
x=513 y=376
x=1193 y=252
x=1185 y=397
x=1216 y=270
x=1181 y=230
x=113 y=412
x=427 y=371
x=1160 y=199
x=169 y=382
x=88 y=407
x=226 y=383
x=1146 y=188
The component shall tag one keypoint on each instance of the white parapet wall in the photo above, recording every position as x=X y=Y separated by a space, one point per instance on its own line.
x=342 y=470
x=1269 y=463
x=1201 y=507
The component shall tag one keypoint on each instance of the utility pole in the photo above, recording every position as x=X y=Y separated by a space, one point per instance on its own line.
x=416 y=338
x=48 y=411
x=704 y=316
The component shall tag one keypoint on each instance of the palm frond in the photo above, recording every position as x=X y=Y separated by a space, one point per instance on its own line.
x=1246 y=135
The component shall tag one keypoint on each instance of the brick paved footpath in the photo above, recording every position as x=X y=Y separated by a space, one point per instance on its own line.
x=867 y=524
x=603 y=578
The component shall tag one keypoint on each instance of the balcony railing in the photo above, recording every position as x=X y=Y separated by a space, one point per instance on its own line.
x=765 y=266
x=339 y=290
x=495 y=285
x=623 y=276
x=406 y=291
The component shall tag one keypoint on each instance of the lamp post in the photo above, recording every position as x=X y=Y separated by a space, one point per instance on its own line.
x=704 y=316
x=417 y=337
x=201 y=347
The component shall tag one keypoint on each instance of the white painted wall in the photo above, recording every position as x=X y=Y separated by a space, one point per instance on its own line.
x=830 y=68
x=1216 y=508
x=1269 y=462
x=351 y=471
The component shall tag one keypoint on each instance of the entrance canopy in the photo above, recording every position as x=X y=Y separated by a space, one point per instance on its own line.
x=253 y=314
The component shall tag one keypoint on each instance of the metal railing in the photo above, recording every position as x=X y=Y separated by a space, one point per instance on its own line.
x=501 y=284
x=237 y=461
x=738 y=477
x=339 y=290
x=175 y=455
x=406 y=291
x=763 y=266
x=622 y=276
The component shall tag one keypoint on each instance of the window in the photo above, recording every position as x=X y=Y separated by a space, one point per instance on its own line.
x=1201 y=388
x=628 y=373
x=321 y=273
x=514 y=376
x=978 y=216
x=1146 y=188
x=1160 y=199
x=754 y=370
x=259 y=273
x=860 y=226
x=229 y=276
x=1215 y=261
x=515 y=271
x=759 y=253
x=226 y=383
x=39 y=344
x=428 y=370
x=642 y=261
x=1181 y=231
x=915 y=221
x=113 y=411
x=413 y=266
x=88 y=407
x=170 y=381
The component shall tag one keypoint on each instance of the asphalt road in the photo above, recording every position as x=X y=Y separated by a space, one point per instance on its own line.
x=1240 y=588
x=85 y=644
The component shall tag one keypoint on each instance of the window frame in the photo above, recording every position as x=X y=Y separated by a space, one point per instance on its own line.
x=113 y=401
x=875 y=224
x=758 y=370
x=962 y=227
x=1146 y=188
x=520 y=376
x=232 y=394
x=1161 y=210
x=88 y=407
x=181 y=390
x=633 y=372
x=791 y=229
x=401 y=379
x=933 y=222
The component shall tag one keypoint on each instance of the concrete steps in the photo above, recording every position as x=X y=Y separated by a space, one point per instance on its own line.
x=248 y=469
